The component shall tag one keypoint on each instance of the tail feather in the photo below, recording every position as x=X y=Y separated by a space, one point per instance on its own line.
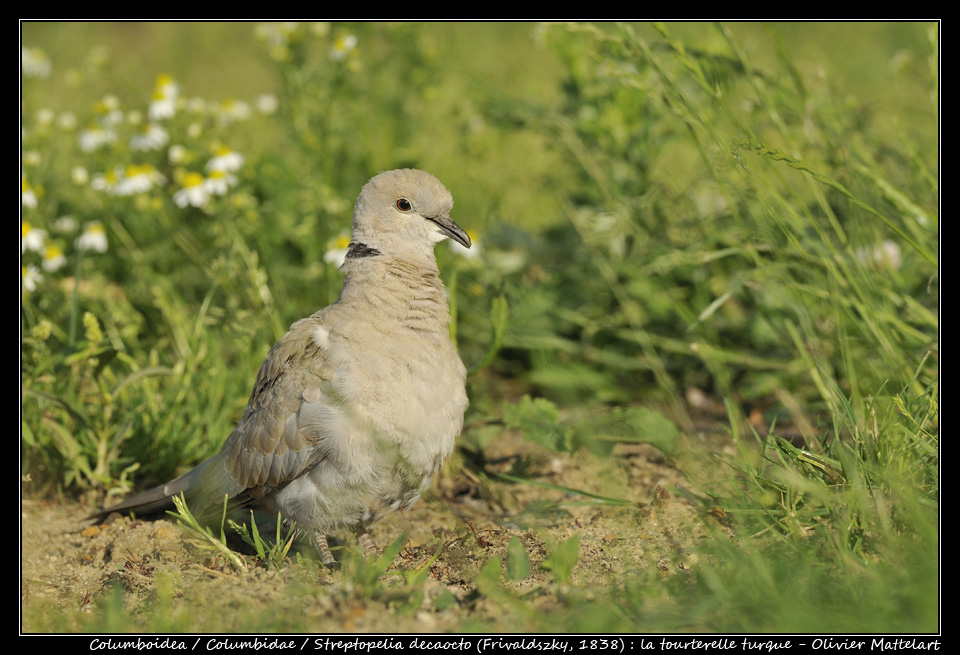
x=153 y=501
x=204 y=488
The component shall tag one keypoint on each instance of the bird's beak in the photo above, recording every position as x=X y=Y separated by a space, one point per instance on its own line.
x=451 y=229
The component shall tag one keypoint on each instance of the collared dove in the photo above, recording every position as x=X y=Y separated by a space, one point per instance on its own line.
x=356 y=407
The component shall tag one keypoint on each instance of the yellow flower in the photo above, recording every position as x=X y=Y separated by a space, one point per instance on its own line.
x=34 y=62
x=53 y=258
x=233 y=110
x=164 y=101
x=474 y=251
x=277 y=37
x=342 y=46
x=225 y=160
x=164 y=81
x=94 y=237
x=193 y=191
x=137 y=178
x=106 y=181
x=31 y=238
x=27 y=197
x=337 y=250
x=219 y=182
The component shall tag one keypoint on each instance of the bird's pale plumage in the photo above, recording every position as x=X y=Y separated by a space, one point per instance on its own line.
x=356 y=407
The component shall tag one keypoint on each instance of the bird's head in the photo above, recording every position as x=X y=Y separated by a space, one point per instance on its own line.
x=401 y=212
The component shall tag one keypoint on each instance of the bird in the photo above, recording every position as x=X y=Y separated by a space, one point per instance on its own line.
x=356 y=407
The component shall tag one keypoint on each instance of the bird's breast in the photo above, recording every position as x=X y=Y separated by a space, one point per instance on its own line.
x=399 y=392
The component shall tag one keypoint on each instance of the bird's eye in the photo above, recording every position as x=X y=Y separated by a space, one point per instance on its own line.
x=404 y=205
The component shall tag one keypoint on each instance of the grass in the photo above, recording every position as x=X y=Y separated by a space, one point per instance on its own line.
x=665 y=213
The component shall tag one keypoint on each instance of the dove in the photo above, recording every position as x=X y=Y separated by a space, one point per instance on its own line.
x=356 y=407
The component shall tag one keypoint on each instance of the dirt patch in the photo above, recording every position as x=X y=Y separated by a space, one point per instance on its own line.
x=153 y=575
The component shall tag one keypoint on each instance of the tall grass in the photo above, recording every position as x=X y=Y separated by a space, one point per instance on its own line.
x=669 y=212
x=737 y=230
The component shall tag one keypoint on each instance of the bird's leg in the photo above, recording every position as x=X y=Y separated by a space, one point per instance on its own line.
x=366 y=541
x=326 y=556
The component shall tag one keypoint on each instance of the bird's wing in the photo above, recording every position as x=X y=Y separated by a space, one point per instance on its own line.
x=280 y=435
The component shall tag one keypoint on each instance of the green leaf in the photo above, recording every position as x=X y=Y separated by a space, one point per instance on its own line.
x=563 y=559
x=628 y=425
x=488 y=580
x=538 y=421
x=74 y=414
x=499 y=319
x=146 y=371
x=186 y=519
x=444 y=601
x=518 y=564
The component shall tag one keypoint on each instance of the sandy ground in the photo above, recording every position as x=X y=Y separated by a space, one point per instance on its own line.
x=154 y=575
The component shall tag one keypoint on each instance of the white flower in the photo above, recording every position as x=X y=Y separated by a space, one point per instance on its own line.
x=108 y=104
x=267 y=103
x=337 y=250
x=67 y=120
x=137 y=179
x=474 y=251
x=199 y=106
x=178 y=155
x=108 y=110
x=30 y=277
x=219 y=182
x=506 y=261
x=94 y=237
x=79 y=175
x=45 y=117
x=225 y=160
x=161 y=107
x=106 y=181
x=164 y=101
x=34 y=62
x=134 y=179
x=234 y=110
x=65 y=224
x=166 y=85
x=27 y=197
x=95 y=137
x=885 y=254
x=277 y=37
x=193 y=192
x=342 y=46
x=276 y=34
x=150 y=137
x=112 y=118
x=53 y=258
x=31 y=238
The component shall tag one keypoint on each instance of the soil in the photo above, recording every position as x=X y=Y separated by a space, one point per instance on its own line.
x=154 y=575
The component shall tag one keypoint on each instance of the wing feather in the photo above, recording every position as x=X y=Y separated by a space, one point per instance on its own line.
x=278 y=437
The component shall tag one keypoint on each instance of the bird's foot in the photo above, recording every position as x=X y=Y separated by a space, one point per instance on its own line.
x=326 y=557
x=366 y=542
